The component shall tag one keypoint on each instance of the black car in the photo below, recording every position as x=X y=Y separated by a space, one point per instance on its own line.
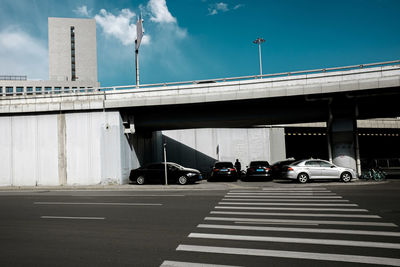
x=223 y=170
x=155 y=173
x=277 y=167
x=259 y=170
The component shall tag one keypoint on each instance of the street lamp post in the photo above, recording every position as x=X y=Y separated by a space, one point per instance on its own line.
x=259 y=41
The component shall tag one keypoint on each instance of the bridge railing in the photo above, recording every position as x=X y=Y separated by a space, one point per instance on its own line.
x=54 y=91
x=251 y=77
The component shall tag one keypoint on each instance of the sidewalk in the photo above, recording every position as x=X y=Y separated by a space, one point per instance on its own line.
x=203 y=185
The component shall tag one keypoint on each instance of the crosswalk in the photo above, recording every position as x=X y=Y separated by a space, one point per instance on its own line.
x=289 y=226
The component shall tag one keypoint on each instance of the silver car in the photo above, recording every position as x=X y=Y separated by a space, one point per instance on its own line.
x=304 y=170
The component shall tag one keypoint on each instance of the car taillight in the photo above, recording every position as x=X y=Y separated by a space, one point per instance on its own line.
x=267 y=169
x=251 y=169
x=215 y=170
x=232 y=169
x=290 y=169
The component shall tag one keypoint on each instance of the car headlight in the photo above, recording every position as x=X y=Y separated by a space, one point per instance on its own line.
x=191 y=174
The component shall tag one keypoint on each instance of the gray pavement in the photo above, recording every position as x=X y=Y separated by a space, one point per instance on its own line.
x=238 y=224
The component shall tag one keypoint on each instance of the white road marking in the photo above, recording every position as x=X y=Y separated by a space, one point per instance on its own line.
x=97 y=203
x=300 y=230
x=285 y=196
x=282 y=191
x=288 y=194
x=330 y=242
x=287 y=204
x=300 y=221
x=280 y=223
x=72 y=218
x=292 y=254
x=293 y=188
x=281 y=208
x=284 y=199
x=191 y=264
x=297 y=214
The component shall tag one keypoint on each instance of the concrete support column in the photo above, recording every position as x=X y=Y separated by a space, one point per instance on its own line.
x=342 y=134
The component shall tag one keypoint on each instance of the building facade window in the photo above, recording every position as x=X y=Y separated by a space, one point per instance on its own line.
x=29 y=90
x=9 y=90
x=38 y=90
x=19 y=90
x=47 y=90
x=57 y=90
x=73 y=74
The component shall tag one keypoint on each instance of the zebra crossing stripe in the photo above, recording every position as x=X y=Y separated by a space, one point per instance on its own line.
x=191 y=264
x=282 y=208
x=285 y=200
x=297 y=214
x=292 y=254
x=300 y=230
x=283 y=193
x=320 y=241
x=285 y=196
x=300 y=221
x=288 y=204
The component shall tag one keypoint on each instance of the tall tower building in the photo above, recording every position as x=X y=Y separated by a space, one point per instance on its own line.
x=72 y=49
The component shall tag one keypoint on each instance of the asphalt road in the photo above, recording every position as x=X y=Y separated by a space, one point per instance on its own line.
x=267 y=224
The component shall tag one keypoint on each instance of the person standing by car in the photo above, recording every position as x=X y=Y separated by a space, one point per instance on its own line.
x=238 y=167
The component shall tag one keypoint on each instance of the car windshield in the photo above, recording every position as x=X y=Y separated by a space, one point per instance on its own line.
x=220 y=165
x=259 y=163
x=296 y=162
x=175 y=165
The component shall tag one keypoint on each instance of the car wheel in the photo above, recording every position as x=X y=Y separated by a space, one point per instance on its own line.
x=182 y=180
x=345 y=177
x=140 y=180
x=302 y=178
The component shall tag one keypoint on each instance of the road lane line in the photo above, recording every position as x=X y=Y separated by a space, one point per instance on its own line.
x=97 y=203
x=300 y=230
x=287 y=204
x=292 y=254
x=286 y=200
x=329 y=242
x=191 y=264
x=282 y=208
x=298 y=214
x=300 y=221
x=72 y=218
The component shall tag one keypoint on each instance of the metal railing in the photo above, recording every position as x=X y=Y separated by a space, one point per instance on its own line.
x=55 y=91
x=250 y=77
x=13 y=78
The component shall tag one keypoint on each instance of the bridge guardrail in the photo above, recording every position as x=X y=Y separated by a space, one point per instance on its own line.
x=53 y=92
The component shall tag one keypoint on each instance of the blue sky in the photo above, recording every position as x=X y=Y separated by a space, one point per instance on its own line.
x=205 y=39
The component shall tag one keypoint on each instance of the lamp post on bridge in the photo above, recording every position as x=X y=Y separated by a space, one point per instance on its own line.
x=259 y=41
x=139 y=36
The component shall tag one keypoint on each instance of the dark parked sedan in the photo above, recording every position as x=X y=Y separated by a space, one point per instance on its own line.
x=223 y=170
x=258 y=170
x=278 y=167
x=155 y=173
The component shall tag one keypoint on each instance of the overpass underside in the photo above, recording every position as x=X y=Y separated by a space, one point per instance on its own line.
x=113 y=130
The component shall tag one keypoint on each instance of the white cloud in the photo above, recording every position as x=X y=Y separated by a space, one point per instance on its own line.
x=23 y=54
x=159 y=12
x=122 y=26
x=214 y=9
x=238 y=6
x=82 y=11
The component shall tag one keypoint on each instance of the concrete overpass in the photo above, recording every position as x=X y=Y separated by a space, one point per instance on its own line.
x=338 y=96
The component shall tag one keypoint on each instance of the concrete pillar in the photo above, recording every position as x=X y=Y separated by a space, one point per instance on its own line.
x=343 y=143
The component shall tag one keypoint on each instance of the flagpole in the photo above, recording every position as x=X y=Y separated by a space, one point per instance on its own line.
x=139 y=35
x=137 y=64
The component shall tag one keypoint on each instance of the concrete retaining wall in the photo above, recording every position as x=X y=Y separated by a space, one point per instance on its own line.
x=200 y=148
x=71 y=149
